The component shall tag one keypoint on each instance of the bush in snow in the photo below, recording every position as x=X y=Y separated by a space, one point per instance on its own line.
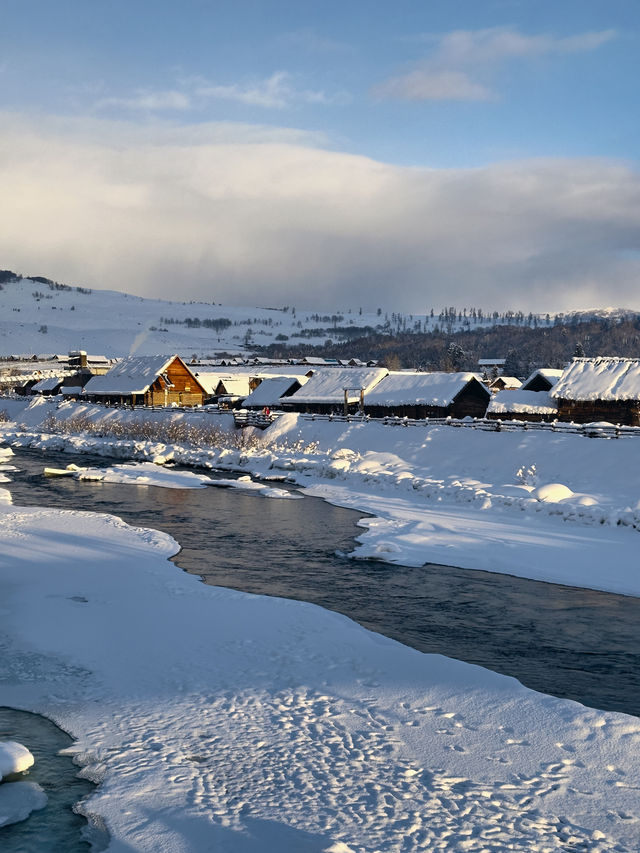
x=168 y=432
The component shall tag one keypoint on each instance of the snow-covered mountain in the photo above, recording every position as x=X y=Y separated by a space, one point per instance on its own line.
x=39 y=316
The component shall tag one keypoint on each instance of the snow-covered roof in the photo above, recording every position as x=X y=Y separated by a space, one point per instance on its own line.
x=296 y=370
x=421 y=389
x=312 y=359
x=547 y=373
x=236 y=386
x=599 y=379
x=130 y=376
x=270 y=390
x=510 y=381
x=209 y=379
x=522 y=402
x=71 y=390
x=327 y=386
x=47 y=384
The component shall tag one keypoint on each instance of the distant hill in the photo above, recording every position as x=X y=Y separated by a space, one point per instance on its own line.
x=41 y=316
x=524 y=348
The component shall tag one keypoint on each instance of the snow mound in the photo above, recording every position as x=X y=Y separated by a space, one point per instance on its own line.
x=145 y=474
x=552 y=493
x=18 y=800
x=246 y=484
x=14 y=758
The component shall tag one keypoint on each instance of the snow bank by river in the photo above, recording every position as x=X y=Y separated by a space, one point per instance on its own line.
x=219 y=720
x=542 y=505
x=548 y=506
x=17 y=798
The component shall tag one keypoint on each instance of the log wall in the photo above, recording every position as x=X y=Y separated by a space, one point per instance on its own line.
x=625 y=412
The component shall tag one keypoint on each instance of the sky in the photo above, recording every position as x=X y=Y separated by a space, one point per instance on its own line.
x=402 y=155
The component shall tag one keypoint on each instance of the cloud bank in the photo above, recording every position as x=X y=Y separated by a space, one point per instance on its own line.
x=264 y=216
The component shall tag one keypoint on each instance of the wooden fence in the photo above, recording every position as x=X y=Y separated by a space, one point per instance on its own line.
x=595 y=430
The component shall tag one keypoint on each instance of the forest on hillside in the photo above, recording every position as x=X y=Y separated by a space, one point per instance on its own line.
x=524 y=348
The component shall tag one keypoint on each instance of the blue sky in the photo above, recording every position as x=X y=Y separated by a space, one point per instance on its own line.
x=430 y=99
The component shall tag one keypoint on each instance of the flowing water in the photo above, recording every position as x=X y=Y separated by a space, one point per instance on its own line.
x=55 y=827
x=573 y=643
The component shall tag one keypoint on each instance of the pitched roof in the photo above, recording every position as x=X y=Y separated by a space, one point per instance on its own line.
x=607 y=379
x=522 y=402
x=327 y=385
x=47 y=384
x=270 y=390
x=547 y=373
x=130 y=376
x=236 y=386
x=512 y=381
x=420 y=389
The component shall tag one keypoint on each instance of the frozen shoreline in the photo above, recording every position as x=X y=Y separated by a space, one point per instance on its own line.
x=552 y=507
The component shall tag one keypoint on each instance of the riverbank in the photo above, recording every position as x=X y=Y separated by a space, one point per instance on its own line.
x=546 y=506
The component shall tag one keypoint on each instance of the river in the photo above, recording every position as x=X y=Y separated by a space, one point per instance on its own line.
x=573 y=643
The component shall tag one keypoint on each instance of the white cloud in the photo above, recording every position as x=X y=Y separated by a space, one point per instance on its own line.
x=239 y=218
x=278 y=91
x=462 y=63
x=496 y=44
x=424 y=85
x=149 y=101
x=275 y=91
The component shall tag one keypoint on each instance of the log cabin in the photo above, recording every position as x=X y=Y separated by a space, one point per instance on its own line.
x=599 y=389
x=334 y=389
x=428 y=395
x=522 y=406
x=270 y=391
x=542 y=379
x=146 y=381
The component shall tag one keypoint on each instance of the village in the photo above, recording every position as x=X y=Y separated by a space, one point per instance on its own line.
x=601 y=390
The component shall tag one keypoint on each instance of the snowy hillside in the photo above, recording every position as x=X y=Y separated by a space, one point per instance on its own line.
x=39 y=316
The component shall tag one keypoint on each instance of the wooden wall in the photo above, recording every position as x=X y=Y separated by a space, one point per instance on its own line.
x=626 y=412
x=186 y=390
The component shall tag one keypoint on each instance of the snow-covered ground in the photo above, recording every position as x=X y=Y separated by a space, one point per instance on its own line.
x=218 y=720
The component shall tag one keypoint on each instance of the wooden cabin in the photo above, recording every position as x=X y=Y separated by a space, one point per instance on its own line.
x=504 y=383
x=522 y=406
x=599 y=389
x=335 y=389
x=146 y=381
x=542 y=379
x=271 y=390
x=428 y=395
x=48 y=387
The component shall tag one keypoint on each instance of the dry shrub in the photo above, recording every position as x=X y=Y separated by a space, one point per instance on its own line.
x=172 y=432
